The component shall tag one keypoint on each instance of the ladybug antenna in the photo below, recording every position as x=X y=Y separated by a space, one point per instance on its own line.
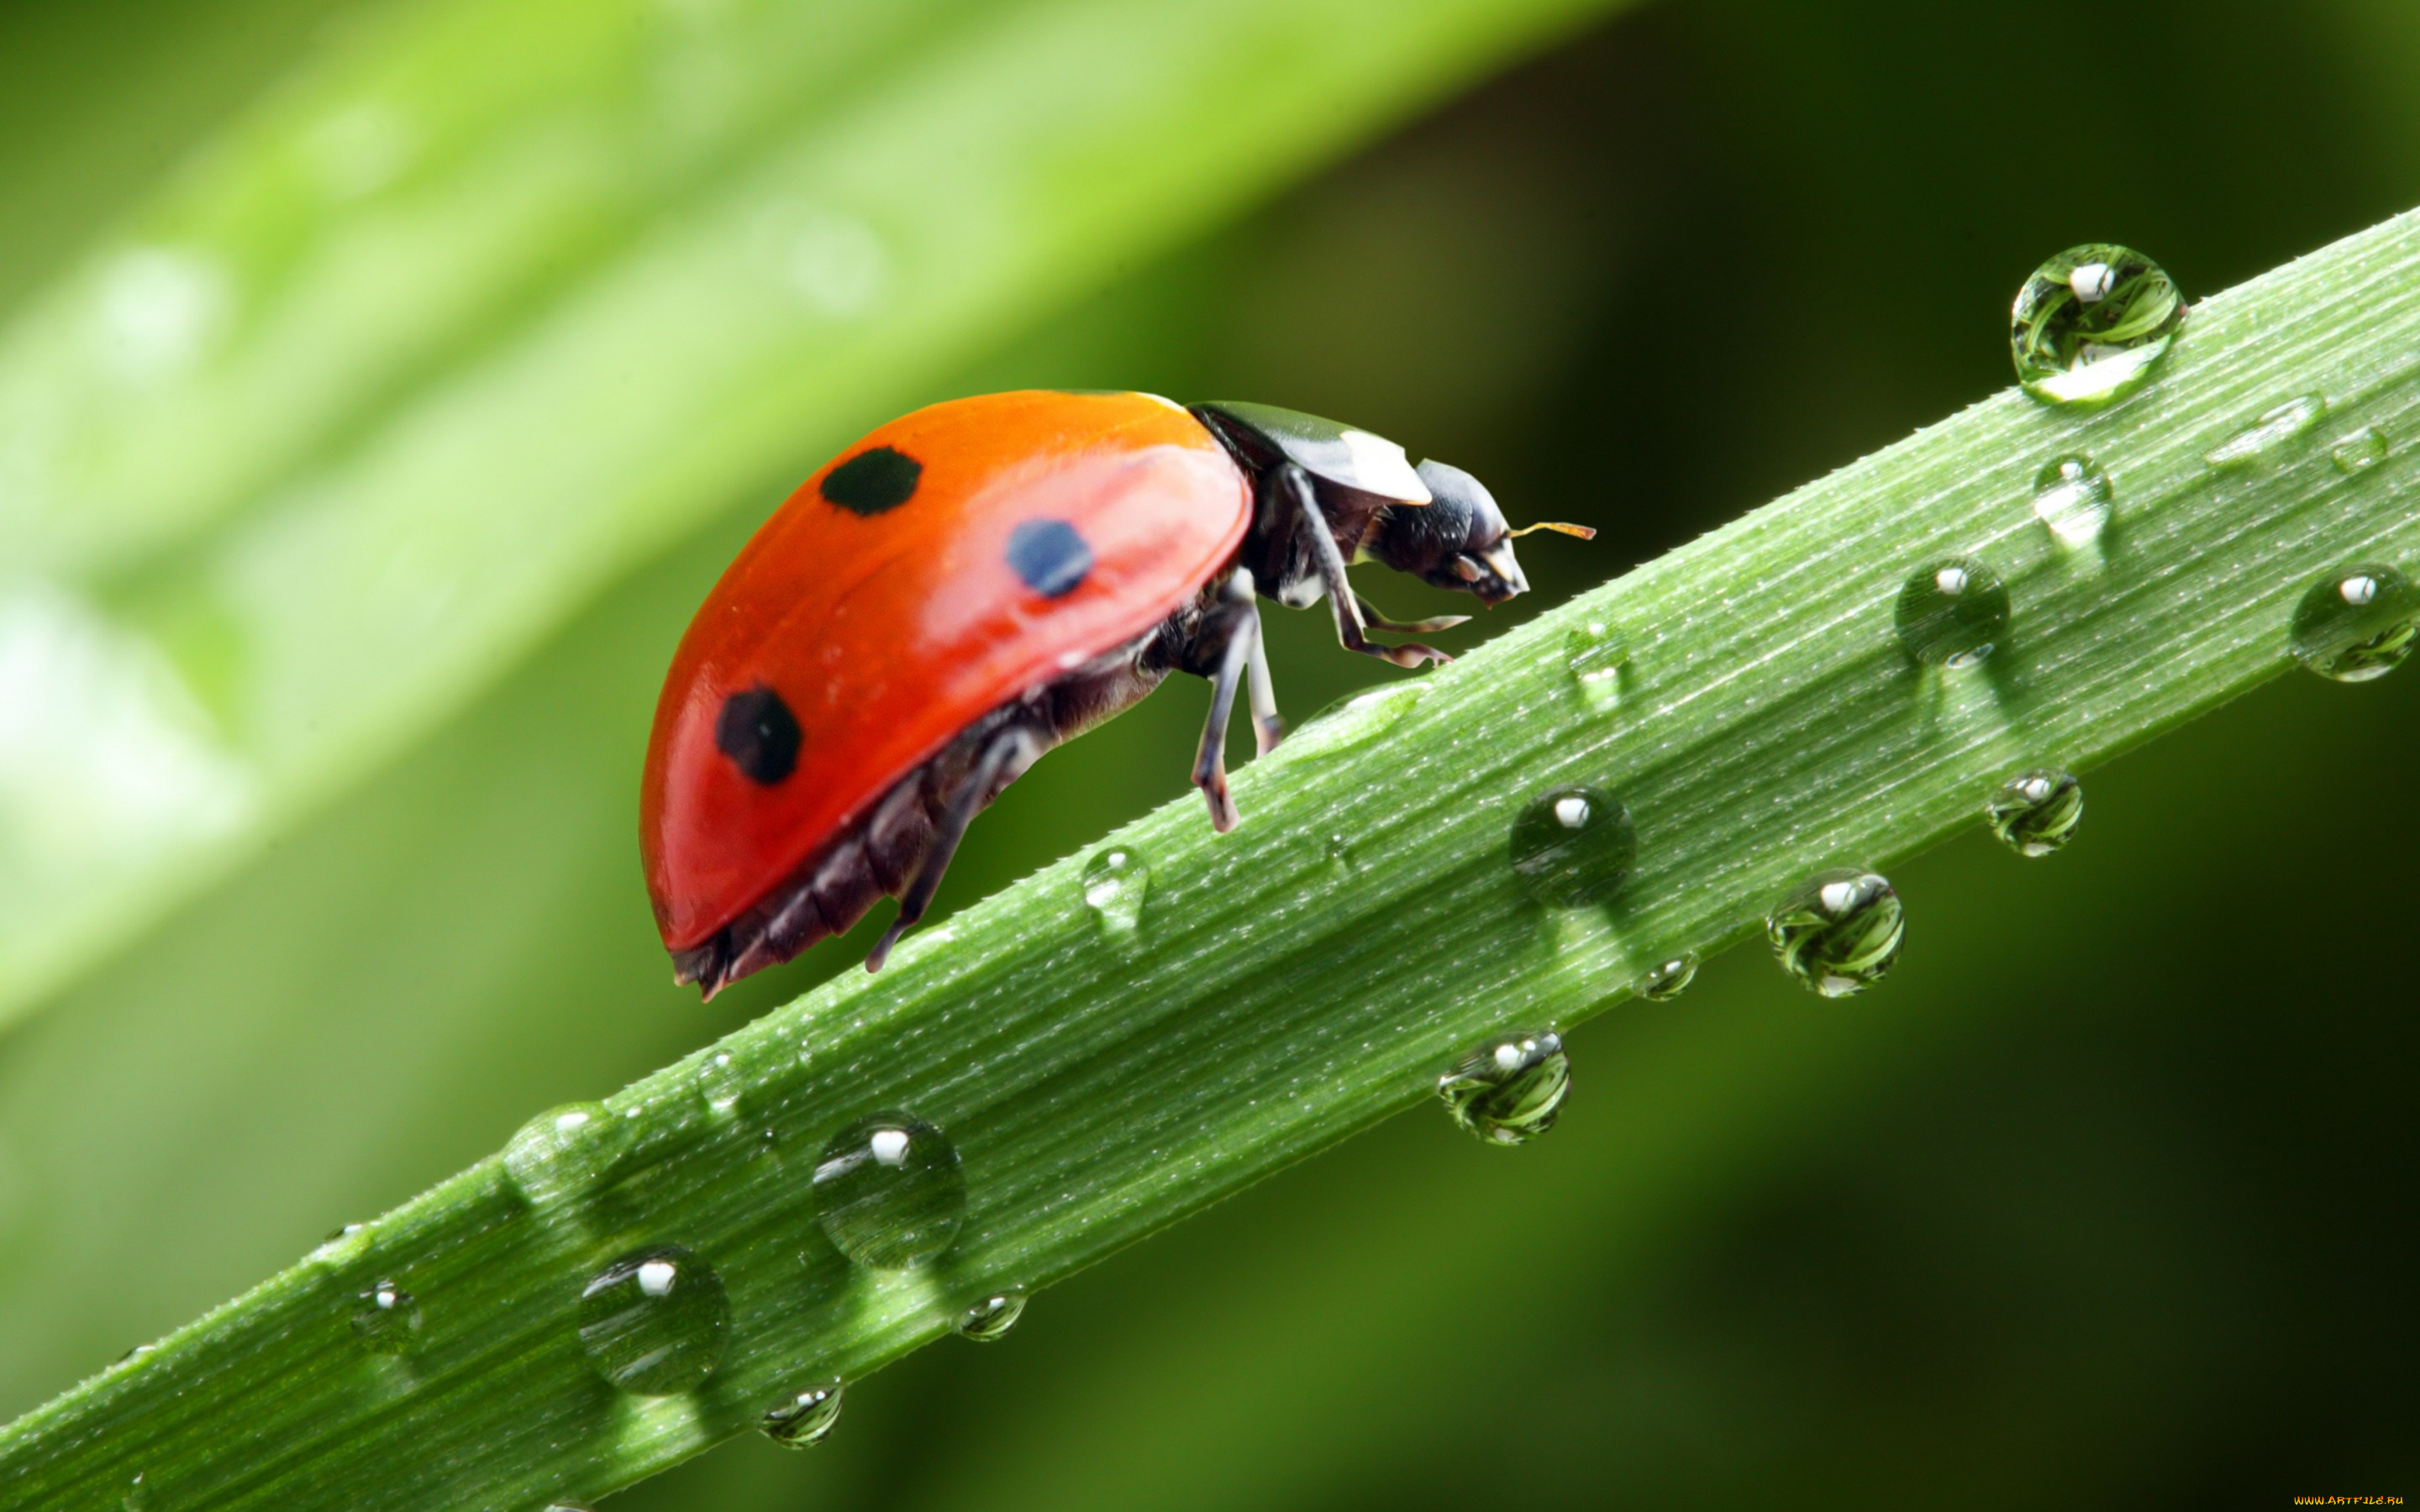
x=1585 y=532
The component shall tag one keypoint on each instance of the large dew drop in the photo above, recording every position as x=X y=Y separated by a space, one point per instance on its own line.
x=2072 y=497
x=2035 y=812
x=1839 y=932
x=1666 y=979
x=721 y=1079
x=2090 y=322
x=1594 y=654
x=1117 y=880
x=2269 y=435
x=889 y=1191
x=1572 y=847
x=1509 y=1090
x=804 y=1420
x=655 y=1323
x=565 y=1152
x=990 y=1319
x=2357 y=622
x=388 y=1320
x=2358 y=451
x=1952 y=613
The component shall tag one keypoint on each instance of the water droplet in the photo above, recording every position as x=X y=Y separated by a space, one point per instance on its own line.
x=2265 y=436
x=2071 y=496
x=1952 y=613
x=138 y=1495
x=565 y=1152
x=2035 y=812
x=1573 y=846
x=2357 y=452
x=889 y=1191
x=2357 y=622
x=992 y=1317
x=1509 y=1090
x=2090 y=322
x=655 y=1321
x=1668 y=980
x=1352 y=720
x=1117 y=880
x=1340 y=852
x=388 y=1320
x=1839 y=932
x=1595 y=653
x=720 y=1081
x=802 y=1422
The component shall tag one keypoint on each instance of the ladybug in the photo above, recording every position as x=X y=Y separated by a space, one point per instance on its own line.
x=973 y=583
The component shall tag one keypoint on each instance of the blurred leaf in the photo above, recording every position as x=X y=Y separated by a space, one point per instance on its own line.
x=1099 y=1090
x=505 y=294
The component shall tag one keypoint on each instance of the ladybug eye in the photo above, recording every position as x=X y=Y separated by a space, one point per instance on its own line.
x=760 y=734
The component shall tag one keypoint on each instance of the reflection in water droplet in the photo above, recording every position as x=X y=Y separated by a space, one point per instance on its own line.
x=992 y=1317
x=1508 y=1091
x=2072 y=495
x=2359 y=451
x=2356 y=623
x=1354 y=721
x=565 y=1152
x=2035 y=812
x=655 y=1321
x=889 y=1191
x=1952 y=613
x=1839 y=932
x=2090 y=322
x=1117 y=881
x=2262 y=439
x=720 y=1081
x=1595 y=653
x=1572 y=847
x=388 y=1320
x=1668 y=980
x=802 y=1422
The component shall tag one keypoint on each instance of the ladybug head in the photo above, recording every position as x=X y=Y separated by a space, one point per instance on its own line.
x=1459 y=539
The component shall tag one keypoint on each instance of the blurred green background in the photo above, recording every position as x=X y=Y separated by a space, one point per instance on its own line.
x=2105 y=1200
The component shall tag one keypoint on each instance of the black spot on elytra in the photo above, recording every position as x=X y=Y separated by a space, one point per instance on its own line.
x=760 y=734
x=1049 y=556
x=876 y=479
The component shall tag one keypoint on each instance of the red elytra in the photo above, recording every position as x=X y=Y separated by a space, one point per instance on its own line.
x=967 y=585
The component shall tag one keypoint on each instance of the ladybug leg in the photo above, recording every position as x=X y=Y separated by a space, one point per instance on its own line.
x=1268 y=726
x=1322 y=541
x=1375 y=621
x=1005 y=757
x=1229 y=634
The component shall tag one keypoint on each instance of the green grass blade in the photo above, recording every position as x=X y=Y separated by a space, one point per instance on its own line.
x=508 y=294
x=1280 y=993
